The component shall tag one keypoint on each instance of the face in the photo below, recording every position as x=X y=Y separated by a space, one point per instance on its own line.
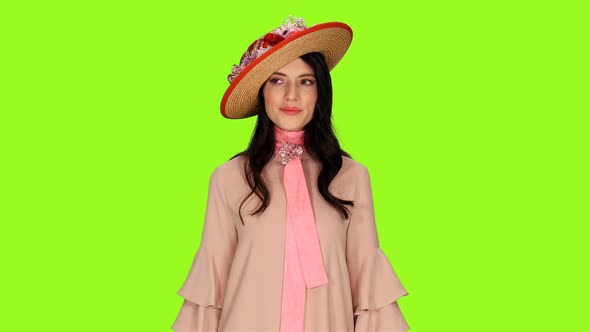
x=290 y=95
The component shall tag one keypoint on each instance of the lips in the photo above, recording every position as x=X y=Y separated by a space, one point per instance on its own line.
x=290 y=110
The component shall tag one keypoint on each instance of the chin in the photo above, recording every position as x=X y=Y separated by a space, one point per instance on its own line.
x=290 y=127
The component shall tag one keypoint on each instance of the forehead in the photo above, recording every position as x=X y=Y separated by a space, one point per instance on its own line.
x=296 y=67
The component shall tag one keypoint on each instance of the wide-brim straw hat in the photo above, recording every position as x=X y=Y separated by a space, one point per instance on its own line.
x=273 y=51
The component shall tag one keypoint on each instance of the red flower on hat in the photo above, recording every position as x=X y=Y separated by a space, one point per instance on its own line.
x=271 y=39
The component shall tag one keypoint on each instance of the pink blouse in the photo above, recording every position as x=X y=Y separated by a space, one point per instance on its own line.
x=236 y=279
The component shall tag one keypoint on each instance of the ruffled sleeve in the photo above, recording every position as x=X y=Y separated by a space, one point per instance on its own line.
x=204 y=287
x=374 y=284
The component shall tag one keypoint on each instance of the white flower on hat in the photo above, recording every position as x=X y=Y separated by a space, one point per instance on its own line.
x=289 y=25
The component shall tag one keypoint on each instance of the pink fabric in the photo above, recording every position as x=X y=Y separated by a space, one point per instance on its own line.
x=304 y=265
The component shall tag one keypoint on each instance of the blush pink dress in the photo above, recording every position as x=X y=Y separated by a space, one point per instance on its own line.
x=236 y=279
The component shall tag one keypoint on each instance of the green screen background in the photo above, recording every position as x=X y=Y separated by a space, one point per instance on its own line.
x=470 y=115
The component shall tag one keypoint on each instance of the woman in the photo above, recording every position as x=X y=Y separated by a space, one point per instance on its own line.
x=289 y=241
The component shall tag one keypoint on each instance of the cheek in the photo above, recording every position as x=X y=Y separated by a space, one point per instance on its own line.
x=312 y=100
x=270 y=97
x=267 y=100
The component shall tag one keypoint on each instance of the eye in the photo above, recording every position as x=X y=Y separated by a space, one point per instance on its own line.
x=275 y=80
x=307 y=81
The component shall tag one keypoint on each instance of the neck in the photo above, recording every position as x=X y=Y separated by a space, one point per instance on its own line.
x=283 y=136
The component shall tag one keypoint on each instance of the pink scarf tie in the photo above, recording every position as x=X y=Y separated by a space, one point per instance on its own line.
x=304 y=265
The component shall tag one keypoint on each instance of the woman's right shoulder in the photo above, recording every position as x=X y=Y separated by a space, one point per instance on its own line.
x=230 y=169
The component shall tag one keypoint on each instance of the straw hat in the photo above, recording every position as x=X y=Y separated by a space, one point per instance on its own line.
x=275 y=50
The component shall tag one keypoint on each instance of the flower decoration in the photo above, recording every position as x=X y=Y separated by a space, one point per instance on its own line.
x=290 y=27
x=290 y=151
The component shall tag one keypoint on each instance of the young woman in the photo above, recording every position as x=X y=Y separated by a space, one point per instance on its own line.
x=289 y=241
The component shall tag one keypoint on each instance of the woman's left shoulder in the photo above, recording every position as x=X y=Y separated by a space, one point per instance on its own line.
x=352 y=166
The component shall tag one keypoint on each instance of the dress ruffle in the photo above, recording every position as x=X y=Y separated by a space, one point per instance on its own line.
x=375 y=296
x=206 y=281
x=377 y=284
x=388 y=318
x=203 y=292
x=193 y=317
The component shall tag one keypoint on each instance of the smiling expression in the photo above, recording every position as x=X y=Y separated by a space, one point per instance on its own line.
x=290 y=95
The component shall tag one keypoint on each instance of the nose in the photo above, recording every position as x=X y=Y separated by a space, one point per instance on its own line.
x=291 y=92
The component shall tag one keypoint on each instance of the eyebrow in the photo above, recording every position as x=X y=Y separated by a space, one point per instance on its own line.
x=302 y=75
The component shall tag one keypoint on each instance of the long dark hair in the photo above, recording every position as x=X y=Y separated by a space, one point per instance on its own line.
x=319 y=139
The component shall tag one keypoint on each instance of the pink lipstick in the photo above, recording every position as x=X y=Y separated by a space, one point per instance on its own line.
x=290 y=110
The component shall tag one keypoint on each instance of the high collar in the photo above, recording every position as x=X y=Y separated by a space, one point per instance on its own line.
x=293 y=137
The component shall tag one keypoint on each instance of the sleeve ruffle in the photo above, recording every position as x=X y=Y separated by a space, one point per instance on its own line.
x=206 y=281
x=203 y=293
x=193 y=317
x=375 y=292
x=388 y=318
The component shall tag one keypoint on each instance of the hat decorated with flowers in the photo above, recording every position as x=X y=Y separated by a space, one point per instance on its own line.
x=274 y=50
